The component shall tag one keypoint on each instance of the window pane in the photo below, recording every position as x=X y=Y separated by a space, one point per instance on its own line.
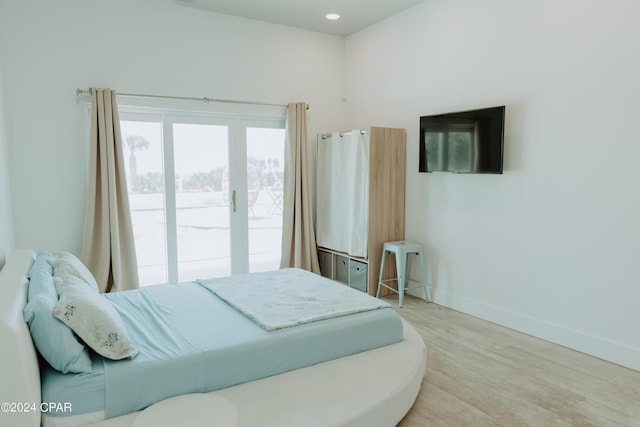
x=201 y=156
x=143 y=162
x=460 y=151
x=265 y=168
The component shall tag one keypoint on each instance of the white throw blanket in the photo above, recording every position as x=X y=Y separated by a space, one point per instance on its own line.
x=288 y=297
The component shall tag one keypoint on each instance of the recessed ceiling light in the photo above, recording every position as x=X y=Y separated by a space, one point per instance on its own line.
x=332 y=16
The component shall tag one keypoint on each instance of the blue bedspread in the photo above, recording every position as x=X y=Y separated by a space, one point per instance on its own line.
x=192 y=341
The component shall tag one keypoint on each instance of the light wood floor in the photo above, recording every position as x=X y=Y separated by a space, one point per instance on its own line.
x=482 y=374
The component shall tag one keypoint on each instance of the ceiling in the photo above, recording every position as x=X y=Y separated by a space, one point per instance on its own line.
x=308 y=14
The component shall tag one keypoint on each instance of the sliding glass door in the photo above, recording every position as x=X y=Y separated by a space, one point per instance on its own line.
x=205 y=194
x=265 y=170
x=202 y=218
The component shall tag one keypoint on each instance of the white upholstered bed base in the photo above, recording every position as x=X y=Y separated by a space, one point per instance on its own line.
x=373 y=388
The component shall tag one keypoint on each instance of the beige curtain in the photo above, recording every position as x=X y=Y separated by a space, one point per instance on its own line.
x=107 y=240
x=298 y=235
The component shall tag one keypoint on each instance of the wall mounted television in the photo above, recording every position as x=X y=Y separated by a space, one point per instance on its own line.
x=463 y=142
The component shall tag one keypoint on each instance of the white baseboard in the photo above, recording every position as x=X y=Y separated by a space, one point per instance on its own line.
x=599 y=347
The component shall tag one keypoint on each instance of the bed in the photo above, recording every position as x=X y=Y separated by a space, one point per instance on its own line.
x=370 y=383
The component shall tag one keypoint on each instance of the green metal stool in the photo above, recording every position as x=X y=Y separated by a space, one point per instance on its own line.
x=402 y=249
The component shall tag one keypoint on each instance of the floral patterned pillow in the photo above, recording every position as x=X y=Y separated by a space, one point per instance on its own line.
x=92 y=318
x=65 y=263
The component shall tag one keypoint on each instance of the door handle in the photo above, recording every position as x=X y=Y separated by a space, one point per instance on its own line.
x=233 y=200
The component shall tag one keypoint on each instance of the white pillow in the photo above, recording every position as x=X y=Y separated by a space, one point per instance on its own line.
x=92 y=317
x=65 y=263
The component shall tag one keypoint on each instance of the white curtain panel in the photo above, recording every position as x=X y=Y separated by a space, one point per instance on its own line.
x=342 y=193
x=108 y=248
x=298 y=234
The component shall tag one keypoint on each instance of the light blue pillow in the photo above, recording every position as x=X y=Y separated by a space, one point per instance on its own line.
x=41 y=277
x=54 y=340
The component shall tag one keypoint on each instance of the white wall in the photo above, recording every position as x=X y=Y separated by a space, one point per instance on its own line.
x=6 y=226
x=551 y=247
x=149 y=47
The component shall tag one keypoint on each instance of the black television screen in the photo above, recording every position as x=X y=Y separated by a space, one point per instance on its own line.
x=463 y=142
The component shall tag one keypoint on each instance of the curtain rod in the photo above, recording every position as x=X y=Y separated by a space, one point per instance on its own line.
x=80 y=92
x=344 y=133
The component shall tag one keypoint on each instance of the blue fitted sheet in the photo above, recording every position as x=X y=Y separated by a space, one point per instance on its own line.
x=191 y=341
